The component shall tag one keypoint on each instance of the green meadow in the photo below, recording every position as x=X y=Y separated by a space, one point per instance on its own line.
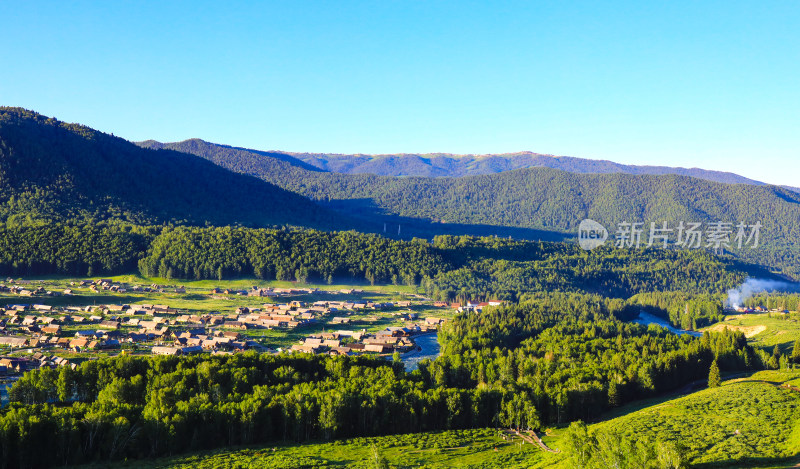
x=764 y=330
x=481 y=448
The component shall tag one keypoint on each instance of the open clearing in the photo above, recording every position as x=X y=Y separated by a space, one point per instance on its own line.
x=765 y=330
x=749 y=331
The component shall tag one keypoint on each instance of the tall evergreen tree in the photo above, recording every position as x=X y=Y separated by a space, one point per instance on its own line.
x=613 y=394
x=713 y=375
x=796 y=352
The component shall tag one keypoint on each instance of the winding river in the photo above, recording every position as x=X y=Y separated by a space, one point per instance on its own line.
x=646 y=319
x=428 y=348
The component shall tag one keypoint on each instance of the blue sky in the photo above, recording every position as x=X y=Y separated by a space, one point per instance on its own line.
x=705 y=84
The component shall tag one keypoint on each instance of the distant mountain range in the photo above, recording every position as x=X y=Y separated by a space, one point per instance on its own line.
x=452 y=165
x=445 y=164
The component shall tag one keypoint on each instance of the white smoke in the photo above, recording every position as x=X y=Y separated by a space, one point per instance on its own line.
x=751 y=286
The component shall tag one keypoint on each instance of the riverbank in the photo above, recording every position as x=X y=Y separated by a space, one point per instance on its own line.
x=427 y=346
x=646 y=319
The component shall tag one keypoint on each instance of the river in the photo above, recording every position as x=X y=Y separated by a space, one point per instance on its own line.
x=429 y=343
x=646 y=319
x=5 y=385
x=429 y=348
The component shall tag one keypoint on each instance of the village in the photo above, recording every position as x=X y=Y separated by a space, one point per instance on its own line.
x=41 y=326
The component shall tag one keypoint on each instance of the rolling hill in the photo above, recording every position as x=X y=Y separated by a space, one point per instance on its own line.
x=54 y=171
x=537 y=199
x=749 y=422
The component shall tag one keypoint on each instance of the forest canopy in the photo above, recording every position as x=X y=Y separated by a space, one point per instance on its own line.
x=448 y=268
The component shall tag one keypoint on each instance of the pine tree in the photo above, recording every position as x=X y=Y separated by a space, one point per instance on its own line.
x=713 y=375
x=774 y=361
x=613 y=394
x=796 y=352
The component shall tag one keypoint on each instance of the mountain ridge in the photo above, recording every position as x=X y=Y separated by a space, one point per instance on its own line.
x=56 y=171
x=52 y=171
x=460 y=165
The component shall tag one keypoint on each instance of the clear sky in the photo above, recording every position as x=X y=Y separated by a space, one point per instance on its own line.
x=695 y=83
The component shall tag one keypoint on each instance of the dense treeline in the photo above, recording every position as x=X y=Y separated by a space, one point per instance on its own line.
x=555 y=358
x=508 y=269
x=574 y=358
x=773 y=301
x=72 y=250
x=220 y=253
x=134 y=407
x=450 y=268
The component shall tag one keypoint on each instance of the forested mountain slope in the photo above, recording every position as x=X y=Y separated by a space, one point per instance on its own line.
x=54 y=171
x=537 y=198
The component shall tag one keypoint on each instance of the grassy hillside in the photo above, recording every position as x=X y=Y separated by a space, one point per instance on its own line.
x=750 y=422
x=54 y=171
x=466 y=449
x=746 y=423
x=537 y=198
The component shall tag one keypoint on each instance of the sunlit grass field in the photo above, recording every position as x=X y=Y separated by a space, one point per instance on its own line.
x=764 y=330
x=481 y=448
x=748 y=422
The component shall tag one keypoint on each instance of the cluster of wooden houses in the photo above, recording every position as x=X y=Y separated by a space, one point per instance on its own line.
x=163 y=328
x=27 y=290
x=759 y=309
x=10 y=365
x=261 y=292
x=389 y=340
x=106 y=284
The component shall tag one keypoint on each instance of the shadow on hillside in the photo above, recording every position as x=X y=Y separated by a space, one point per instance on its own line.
x=373 y=219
